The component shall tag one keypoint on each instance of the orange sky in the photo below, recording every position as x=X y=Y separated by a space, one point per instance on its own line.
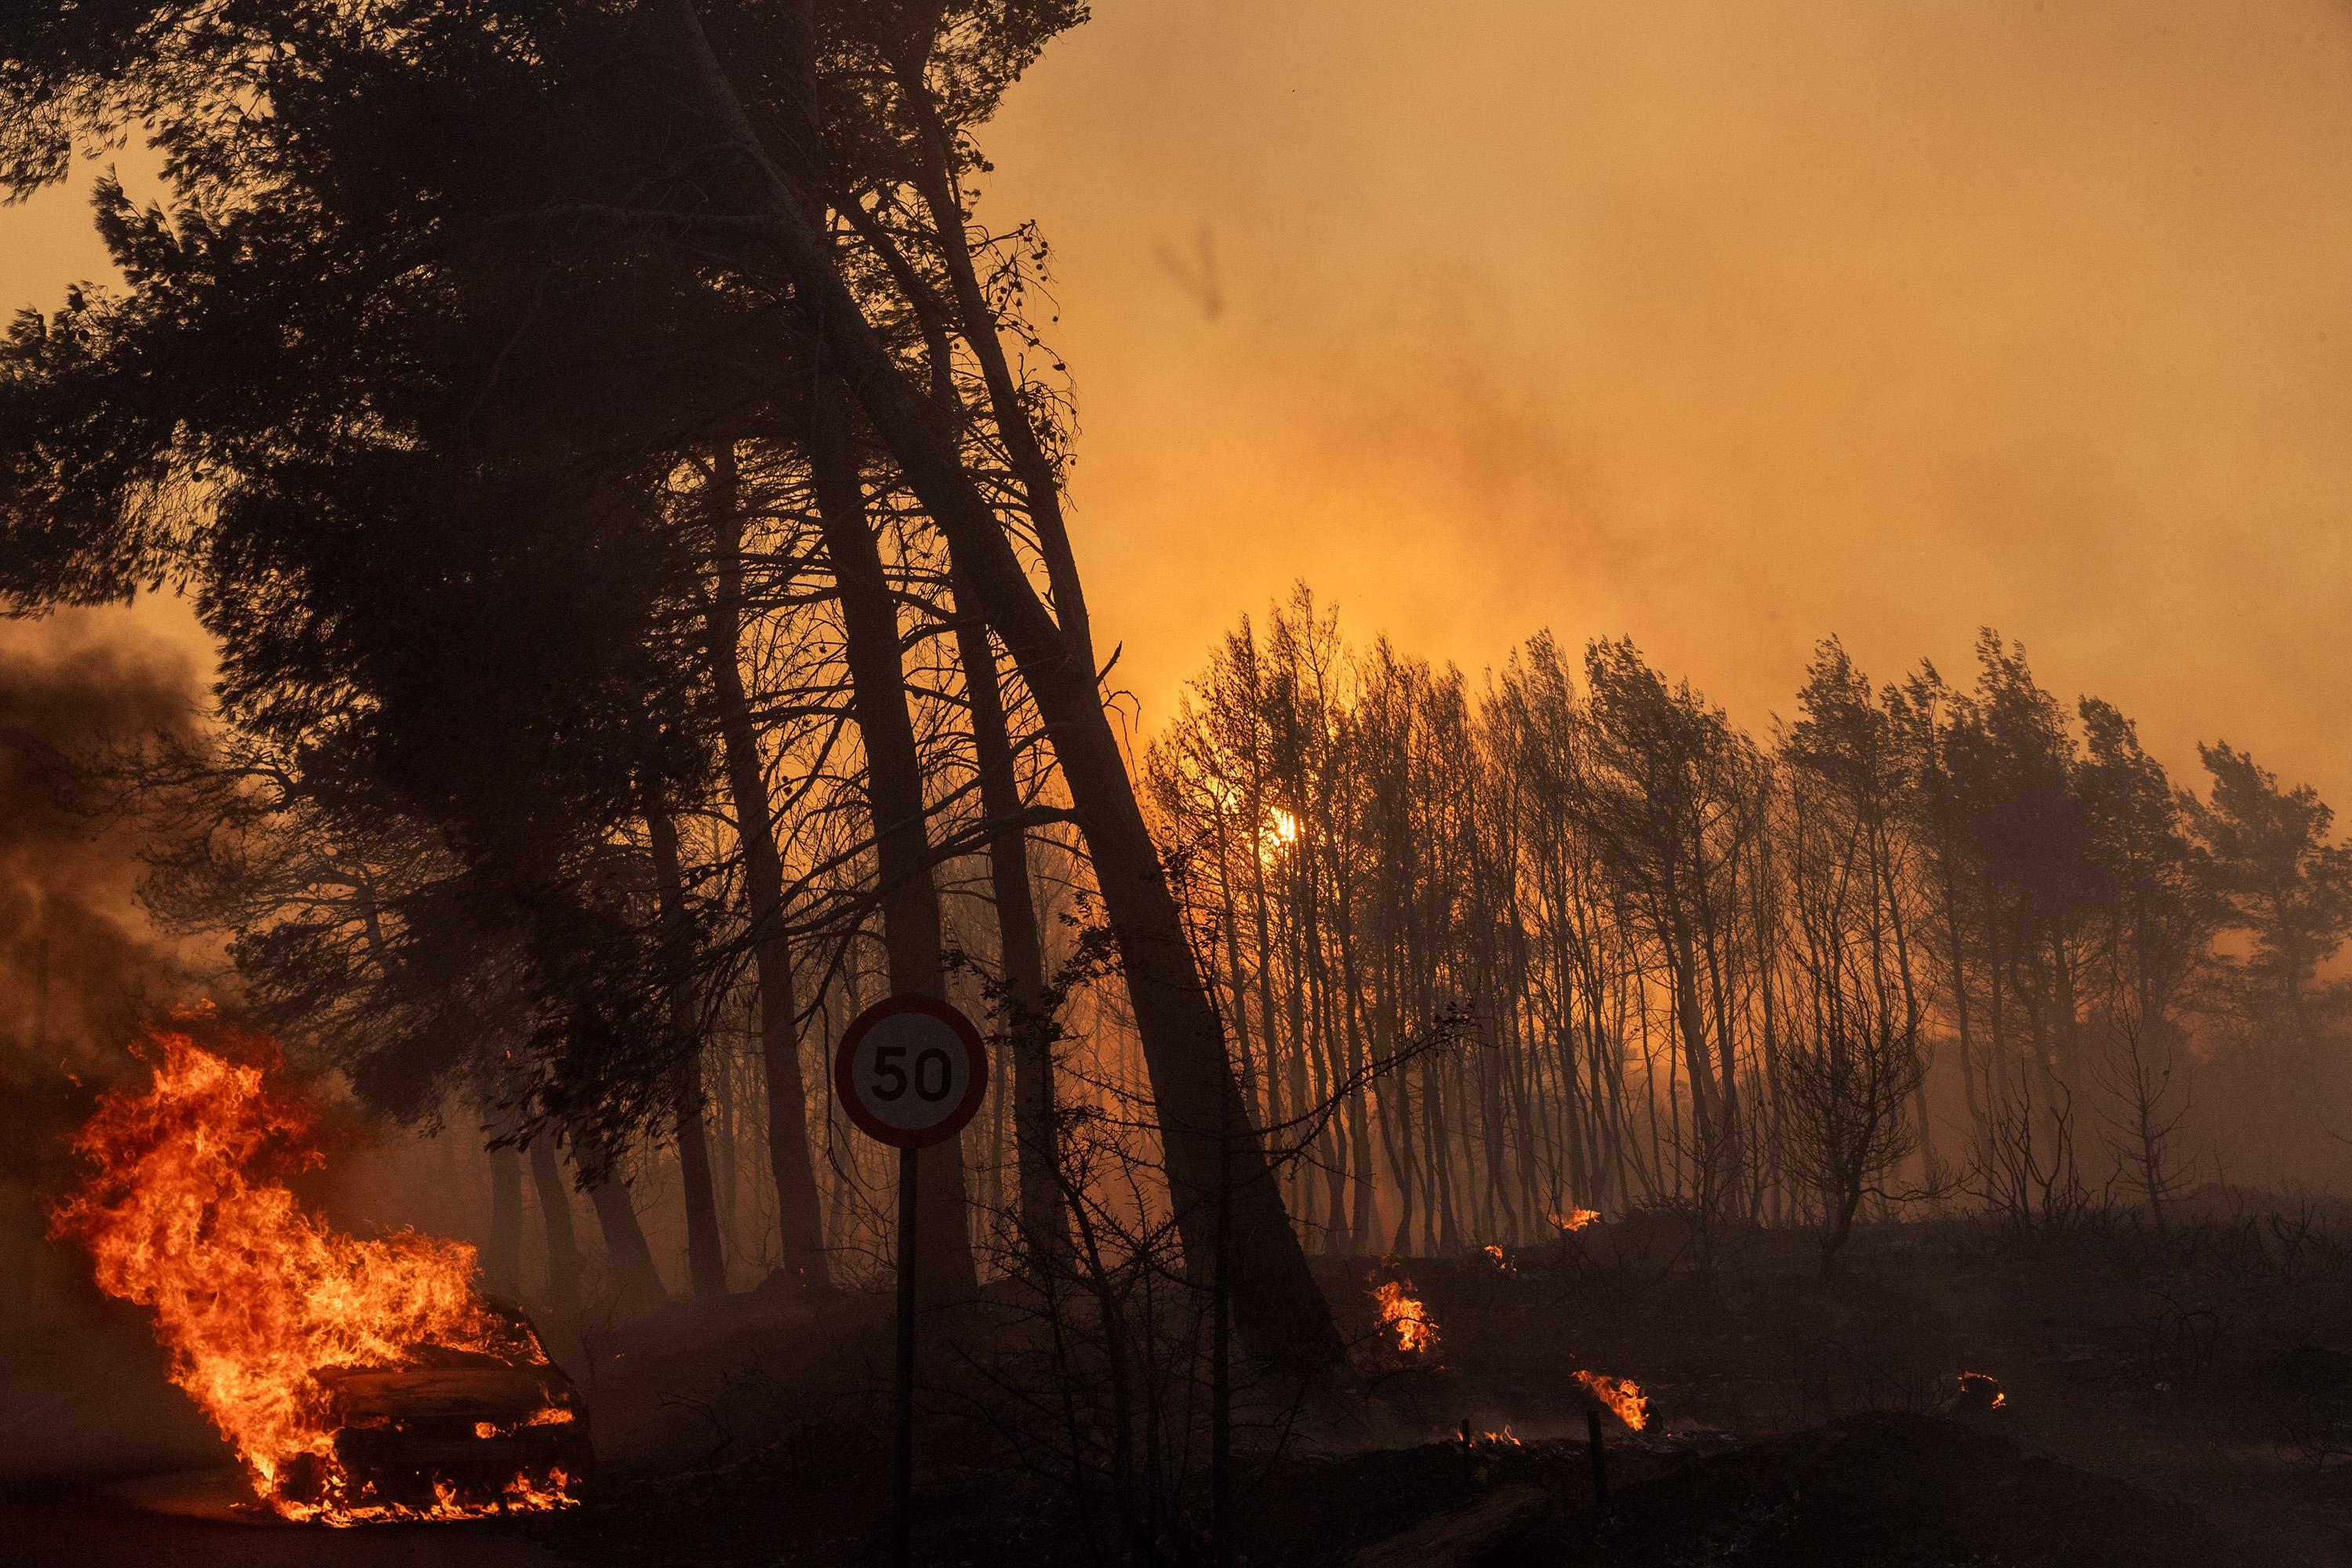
x=1724 y=326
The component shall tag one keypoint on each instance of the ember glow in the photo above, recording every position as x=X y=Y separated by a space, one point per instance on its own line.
x=1405 y=1322
x=293 y=1338
x=1981 y=1391
x=1495 y=1255
x=1623 y=1395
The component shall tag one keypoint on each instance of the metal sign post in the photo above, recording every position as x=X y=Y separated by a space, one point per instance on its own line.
x=909 y=1072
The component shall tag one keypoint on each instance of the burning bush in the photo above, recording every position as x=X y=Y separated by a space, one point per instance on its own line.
x=1622 y=1397
x=1406 y=1326
x=331 y=1362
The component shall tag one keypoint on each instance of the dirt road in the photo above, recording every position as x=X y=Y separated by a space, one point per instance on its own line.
x=101 y=1526
x=102 y=1462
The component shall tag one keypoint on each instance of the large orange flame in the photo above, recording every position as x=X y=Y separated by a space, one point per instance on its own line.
x=1413 y=1332
x=1623 y=1395
x=254 y=1297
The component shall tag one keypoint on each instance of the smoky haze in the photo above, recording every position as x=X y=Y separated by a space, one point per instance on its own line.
x=1723 y=329
x=78 y=968
x=1726 y=328
x=78 y=961
x=1666 y=1009
x=81 y=970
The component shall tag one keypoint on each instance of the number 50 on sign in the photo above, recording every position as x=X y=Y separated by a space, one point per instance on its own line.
x=910 y=1071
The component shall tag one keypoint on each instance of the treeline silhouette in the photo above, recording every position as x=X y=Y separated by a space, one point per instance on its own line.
x=1925 y=940
x=623 y=478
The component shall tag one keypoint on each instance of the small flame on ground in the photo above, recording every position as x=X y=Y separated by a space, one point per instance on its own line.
x=1623 y=1395
x=1573 y=1220
x=1495 y=1255
x=1502 y=1439
x=1982 y=1390
x=187 y=1216
x=1403 y=1317
x=523 y=1495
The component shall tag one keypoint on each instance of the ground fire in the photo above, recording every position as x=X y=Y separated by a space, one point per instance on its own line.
x=1980 y=1390
x=1573 y=1220
x=1405 y=1322
x=1623 y=1395
x=357 y=1380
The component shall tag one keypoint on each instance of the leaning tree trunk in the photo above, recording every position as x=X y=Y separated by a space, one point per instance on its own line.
x=501 y=1254
x=636 y=1279
x=934 y=176
x=555 y=1218
x=628 y=1261
x=1028 y=1029
x=909 y=898
x=894 y=790
x=502 y=1258
x=705 y=1264
x=799 y=1220
x=1209 y=1142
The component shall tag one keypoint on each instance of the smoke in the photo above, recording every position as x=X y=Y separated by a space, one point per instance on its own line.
x=1726 y=328
x=82 y=1381
x=79 y=966
x=83 y=1389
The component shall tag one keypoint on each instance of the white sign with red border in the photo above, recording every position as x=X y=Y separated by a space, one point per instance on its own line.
x=910 y=1071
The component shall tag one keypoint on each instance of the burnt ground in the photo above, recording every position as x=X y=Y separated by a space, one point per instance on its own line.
x=2188 y=1403
x=2201 y=1383
x=2183 y=1402
x=1885 y=1489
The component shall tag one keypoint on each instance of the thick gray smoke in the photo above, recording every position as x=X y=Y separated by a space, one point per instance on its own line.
x=77 y=966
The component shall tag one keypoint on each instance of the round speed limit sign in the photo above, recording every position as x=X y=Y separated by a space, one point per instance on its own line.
x=910 y=1071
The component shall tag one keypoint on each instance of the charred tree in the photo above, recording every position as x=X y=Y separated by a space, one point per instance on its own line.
x=1029 y=1027
x=706 y=1262
x=1279 y=1307
x=563 y=1261
x=502 y=1257
x=893 y=791
x=800 y=1224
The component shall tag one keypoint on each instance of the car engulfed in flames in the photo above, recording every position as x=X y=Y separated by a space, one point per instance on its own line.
x=450 y=1435
x=359 y=1379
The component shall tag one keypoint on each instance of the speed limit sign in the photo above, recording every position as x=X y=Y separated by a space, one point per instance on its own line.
x=910 y=1071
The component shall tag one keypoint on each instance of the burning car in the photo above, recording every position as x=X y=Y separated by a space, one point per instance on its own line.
x=454 y=1433
x=359 y=1379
